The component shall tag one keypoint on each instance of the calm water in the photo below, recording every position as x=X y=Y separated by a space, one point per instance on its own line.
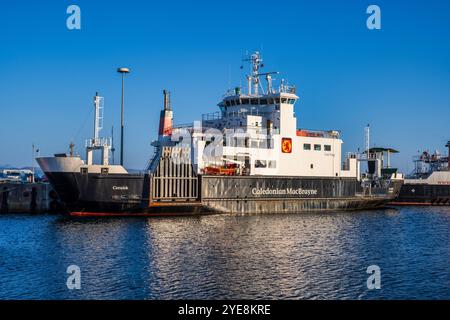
x=307 y=256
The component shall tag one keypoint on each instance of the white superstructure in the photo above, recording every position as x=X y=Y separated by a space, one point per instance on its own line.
x=256 y=133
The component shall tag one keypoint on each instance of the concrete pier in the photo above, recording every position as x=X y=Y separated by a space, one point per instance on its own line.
x=27 y=198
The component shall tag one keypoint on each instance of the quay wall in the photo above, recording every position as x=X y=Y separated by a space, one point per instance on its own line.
x=26 y=197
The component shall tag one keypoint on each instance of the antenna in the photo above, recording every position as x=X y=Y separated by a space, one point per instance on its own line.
x=98 y=117
x=71 y=147
x=448 y=156
x=32 y=161
x=112 y=143
x=253 y=79
x=367 y=139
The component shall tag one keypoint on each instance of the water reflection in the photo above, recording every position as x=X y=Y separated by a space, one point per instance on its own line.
x=260 y=256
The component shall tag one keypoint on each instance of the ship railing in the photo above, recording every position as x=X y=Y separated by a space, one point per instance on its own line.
x=212 y=116
x=250 y=129
x=183 y=126
x=430 y=158
x=246 y=130
x=99 y=142
x=287 y=89
x=352 y=155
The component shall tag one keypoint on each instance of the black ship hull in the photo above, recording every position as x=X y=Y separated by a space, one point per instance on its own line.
x=423 y=194
x=127 y=194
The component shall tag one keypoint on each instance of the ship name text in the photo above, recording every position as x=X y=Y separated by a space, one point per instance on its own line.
x=121 y=188
x=287 y=191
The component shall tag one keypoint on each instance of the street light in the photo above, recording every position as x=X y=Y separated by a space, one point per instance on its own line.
x=123 y=71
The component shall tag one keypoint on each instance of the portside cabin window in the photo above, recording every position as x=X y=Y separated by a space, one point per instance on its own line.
x=327 y=147
x=317 y=147
x=265 y=164
x=260 y=164
x=306 y=146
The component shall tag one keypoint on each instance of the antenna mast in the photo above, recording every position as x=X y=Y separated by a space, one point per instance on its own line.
x=367 y=139
x=253 y=79
x=112 y=143
x=98 y=117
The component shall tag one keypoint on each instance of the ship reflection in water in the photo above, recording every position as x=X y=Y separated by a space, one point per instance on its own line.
x=306 y=256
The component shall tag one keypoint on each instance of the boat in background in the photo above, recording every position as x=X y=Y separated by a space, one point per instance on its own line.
x=429 y=184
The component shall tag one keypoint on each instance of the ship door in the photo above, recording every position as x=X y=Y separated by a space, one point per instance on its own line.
x=247 y=165
x=173 y=180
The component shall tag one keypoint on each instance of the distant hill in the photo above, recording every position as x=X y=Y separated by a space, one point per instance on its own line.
x=6 y=166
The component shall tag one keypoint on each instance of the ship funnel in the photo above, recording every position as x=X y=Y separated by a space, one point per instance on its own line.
x=166 y=116
x=167 y=105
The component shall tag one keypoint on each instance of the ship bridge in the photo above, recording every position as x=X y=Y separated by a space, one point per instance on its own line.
x=255 y=133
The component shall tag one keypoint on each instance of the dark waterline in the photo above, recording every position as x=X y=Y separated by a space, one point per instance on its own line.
x=291 y=256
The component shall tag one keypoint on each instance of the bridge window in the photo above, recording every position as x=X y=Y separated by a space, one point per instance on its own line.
x=245 y=101
x=104 y=170
x=272 y=164
x=317 y=147
x=306 y=146
x=254 y=101
x=327 y=147
x=84 y=170
x=263 y=101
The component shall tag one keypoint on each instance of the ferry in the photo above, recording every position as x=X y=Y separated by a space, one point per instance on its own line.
x=248 y=157
x=429 y=183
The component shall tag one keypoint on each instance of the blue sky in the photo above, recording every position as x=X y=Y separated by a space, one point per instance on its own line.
x=397 y=78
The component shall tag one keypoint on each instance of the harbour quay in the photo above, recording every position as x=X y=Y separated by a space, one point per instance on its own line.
x=19 y=197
